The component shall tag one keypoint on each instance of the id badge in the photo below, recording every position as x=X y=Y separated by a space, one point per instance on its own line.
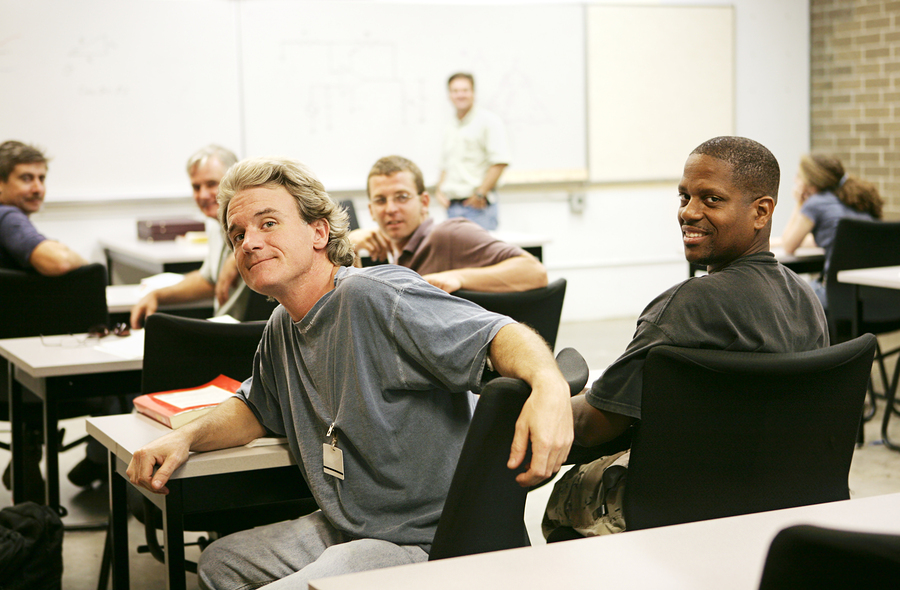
x=333 y=460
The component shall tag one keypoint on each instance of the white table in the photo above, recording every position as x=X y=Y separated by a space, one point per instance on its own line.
x=713 y=554
x=152 y=258
x=121 y=298
x=56 y=373
x=239 y=477
x=885 y=277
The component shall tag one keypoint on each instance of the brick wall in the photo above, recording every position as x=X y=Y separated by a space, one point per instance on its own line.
x=855 y=93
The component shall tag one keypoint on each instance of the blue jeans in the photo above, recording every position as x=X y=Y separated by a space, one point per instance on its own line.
x=289 y=554
x=486 y=218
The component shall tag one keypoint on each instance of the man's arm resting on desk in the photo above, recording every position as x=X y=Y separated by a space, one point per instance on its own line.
x=519 y=273
x=594 y=427
x=546 y=418
x=192 y=288
x=51 y=258
x=231 y=424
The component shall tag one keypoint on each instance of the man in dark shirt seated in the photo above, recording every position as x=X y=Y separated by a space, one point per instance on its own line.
x=23 y=170
x=747 y=302
x=455 y=254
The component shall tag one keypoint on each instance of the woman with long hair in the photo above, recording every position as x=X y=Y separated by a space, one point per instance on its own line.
x=825 y=194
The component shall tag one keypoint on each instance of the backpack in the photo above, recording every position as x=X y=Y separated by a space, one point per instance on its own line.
x=31 y=539
x=588 y=498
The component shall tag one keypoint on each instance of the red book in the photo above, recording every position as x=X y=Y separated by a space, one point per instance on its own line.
x=178 y=407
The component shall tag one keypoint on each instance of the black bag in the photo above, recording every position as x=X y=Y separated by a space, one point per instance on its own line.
x=31 y=539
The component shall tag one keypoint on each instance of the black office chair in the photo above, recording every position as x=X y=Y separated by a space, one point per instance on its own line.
x=806 y=557
x=350 y=208
x=866 y=244
x=184 y=352
x=725 y=433
x=484 y=510
x=32 y=304
x=539 y=308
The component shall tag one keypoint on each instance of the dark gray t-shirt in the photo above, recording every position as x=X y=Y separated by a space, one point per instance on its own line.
x=390 y=360
x=753 y=305
x=18 y=238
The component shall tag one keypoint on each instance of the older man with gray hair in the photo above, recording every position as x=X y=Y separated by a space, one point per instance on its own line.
x=218 y=276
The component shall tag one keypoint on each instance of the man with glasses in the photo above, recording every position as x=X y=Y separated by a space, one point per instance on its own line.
x=454 y=254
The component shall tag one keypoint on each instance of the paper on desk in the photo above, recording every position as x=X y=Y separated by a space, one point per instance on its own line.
x=158 y=281
x=223 y=319
x=129 y=347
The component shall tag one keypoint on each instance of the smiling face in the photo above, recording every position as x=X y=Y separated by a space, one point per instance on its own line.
x=718 y=222
x=462 y=95
x=274 y=248
x=25 y=187
x=395 y=205
x=205 y=179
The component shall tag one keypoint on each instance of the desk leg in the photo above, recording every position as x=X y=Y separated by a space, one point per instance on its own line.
x=51 y=452
x=17 y=441
x=173 y=533
x=889 y=397
x=118 y=526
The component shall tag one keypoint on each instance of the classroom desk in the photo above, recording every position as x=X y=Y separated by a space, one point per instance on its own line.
x=215 y=480
x=58 y=373
x=886 y=277
x=150 y=258
x=121 y=298
x=708 y=555
x=803 y=261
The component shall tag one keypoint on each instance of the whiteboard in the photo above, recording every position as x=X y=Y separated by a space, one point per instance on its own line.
x=339 y=85
x=118 y=93
x=660 y=82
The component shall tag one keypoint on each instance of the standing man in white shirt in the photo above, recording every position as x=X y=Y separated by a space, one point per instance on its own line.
x=474 y=155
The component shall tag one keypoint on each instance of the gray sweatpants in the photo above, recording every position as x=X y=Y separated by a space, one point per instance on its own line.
x=290 y=554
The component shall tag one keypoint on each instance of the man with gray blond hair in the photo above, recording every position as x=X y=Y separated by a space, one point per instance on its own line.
x=368 y=373
x=218 y=276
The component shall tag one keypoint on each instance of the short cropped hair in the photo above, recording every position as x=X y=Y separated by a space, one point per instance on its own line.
x=225 y=157
x=313 y=203
x=13 y=153
x=754 y=169
x=464 y=75
x=389 y=165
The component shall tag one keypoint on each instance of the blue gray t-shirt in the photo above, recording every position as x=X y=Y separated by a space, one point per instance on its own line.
x=389 y=360
x=18 y=238
x=825 y=210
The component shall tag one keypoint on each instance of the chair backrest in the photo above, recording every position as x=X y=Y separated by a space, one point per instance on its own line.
x=860 y=243
x=350 y=208
x=538 y=308
x=32 y=304
x=185 y=352
x=725 y=433
x=485 y=505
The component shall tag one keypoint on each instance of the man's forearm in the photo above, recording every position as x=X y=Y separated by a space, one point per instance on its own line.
x=490 y=178
x=192 y=288
x=519 y=273
x=230 y=424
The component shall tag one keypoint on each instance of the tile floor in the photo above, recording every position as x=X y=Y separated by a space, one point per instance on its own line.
x=875 y=471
